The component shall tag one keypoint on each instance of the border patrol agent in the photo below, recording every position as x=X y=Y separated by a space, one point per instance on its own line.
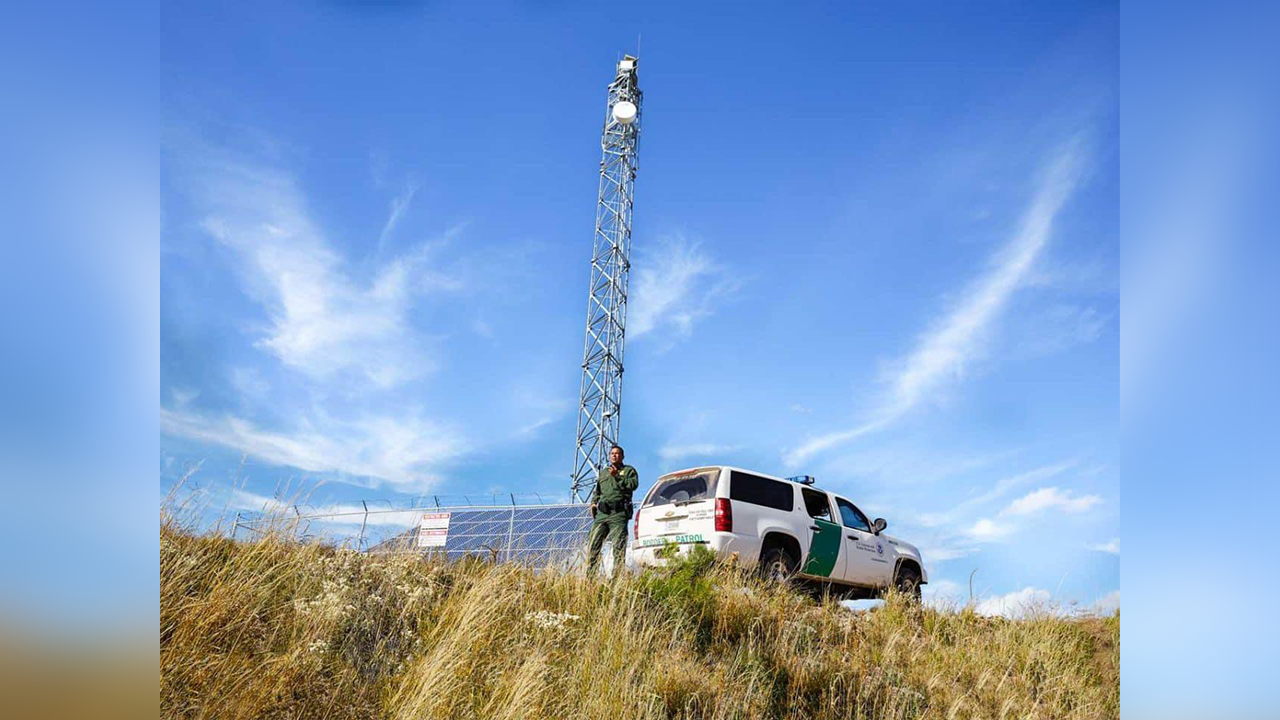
x=611 y=507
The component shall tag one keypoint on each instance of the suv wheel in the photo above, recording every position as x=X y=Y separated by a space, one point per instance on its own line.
x=777 y=565
x=908 y=582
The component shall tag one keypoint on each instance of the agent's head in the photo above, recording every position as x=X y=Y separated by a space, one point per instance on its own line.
x=616 y=454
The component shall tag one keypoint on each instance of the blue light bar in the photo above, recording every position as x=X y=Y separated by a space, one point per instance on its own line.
x=802 y=479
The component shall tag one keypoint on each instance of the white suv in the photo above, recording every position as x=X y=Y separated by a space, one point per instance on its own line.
x=786 y=527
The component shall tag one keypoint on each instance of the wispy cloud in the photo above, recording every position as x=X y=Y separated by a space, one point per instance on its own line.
x=1051 y=498
x=988 y=530
x=960 y=530
x=399 y=205
x=397 y=450
x=671 y=453
x=968 y=507
x=533 y=427
x=323 y=317
x=944 y=353
x=674 y=284
x=1061 y=327
x=340 y=327
x=1111 y=546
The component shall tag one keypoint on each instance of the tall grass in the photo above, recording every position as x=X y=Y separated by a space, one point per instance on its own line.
x=273 y=629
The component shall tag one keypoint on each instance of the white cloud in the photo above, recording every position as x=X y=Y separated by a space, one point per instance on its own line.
x=1062 y=327
x=399 y=205
x=323 y=317
x=1015 y=604
x=697 y=450
x=944 y=353
x=249 y=382
x=1112 y=546
x=943 y=553
x=182 y=397
x=399 y=451
x=673 y=286
x=985 y=530
x=245 y=500
x=942 y=593
x=1050 y=497
x=535 y=426
x=1109 y=603
x=342 y=330
x=965 y=509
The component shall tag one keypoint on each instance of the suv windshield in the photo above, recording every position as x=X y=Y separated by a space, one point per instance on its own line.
x=684 y=488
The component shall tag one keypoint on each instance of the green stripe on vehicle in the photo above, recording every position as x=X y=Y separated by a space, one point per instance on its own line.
x=824 y=549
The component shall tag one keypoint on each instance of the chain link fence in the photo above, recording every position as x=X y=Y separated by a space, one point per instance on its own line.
x=523 y=529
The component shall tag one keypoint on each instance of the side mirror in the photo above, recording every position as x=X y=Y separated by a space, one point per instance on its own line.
x=879 y=525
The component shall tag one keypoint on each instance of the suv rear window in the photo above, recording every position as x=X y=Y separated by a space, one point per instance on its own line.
x=817 y=504
x=761 y=491
x=684 y=488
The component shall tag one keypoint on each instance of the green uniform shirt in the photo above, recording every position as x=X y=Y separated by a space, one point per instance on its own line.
x=613 y=491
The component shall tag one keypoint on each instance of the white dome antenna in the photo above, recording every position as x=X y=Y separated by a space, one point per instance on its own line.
x=625 y=112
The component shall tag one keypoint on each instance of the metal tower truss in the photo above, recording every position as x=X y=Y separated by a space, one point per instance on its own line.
x=600 y=400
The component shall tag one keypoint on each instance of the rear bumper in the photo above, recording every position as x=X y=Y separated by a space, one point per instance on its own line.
x=724 y=545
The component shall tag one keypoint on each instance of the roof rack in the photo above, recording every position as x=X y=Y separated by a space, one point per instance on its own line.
x=802 y=479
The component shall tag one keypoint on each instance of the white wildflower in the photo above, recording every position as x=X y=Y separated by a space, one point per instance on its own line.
x=549 y=620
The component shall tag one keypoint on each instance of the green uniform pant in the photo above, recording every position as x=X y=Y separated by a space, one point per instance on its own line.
x=614 y=525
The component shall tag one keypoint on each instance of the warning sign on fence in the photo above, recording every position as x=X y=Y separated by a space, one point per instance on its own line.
x=434 y=530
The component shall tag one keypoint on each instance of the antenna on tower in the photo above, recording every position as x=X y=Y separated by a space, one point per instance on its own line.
x=600 y=396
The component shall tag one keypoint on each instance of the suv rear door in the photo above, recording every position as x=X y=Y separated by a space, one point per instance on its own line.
x=824 y=548
x=760 y=504
x=679 y=509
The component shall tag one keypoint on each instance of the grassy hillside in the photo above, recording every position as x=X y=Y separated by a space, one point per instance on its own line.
x=271 y=629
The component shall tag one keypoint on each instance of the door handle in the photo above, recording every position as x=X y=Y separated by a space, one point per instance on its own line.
x=815 y=527
x=852 y=537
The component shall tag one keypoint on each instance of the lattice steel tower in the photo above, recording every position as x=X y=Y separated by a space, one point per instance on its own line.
x=600 y=400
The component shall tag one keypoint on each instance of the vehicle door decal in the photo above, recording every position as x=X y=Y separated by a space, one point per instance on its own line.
x=824 y=549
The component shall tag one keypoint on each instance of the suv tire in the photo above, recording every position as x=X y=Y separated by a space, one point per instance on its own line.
x=908 y=582
x=777 y=565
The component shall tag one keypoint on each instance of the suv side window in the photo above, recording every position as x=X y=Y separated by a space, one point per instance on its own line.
x=756 y=490
x=816 y=504
x=852 y=516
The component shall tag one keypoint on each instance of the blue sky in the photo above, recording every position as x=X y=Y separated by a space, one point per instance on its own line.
x=877 y=245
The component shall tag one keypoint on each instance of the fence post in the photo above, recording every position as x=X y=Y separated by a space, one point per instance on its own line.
x=235 y=527
x=364 y=521
x=511 y=531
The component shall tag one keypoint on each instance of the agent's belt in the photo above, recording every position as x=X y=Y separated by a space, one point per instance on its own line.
x=610 y=507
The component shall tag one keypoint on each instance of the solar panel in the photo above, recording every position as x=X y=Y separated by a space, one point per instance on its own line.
x=526 y=534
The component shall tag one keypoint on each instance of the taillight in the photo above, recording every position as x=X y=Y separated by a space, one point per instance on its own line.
x=724 y=515
x=637 y=526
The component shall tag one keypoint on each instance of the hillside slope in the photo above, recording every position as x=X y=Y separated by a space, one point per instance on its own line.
x=271 y=629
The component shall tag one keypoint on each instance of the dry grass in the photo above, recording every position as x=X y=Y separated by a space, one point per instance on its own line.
x=271 y=629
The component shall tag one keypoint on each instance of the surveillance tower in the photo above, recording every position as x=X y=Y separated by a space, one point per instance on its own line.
x=600 y=399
